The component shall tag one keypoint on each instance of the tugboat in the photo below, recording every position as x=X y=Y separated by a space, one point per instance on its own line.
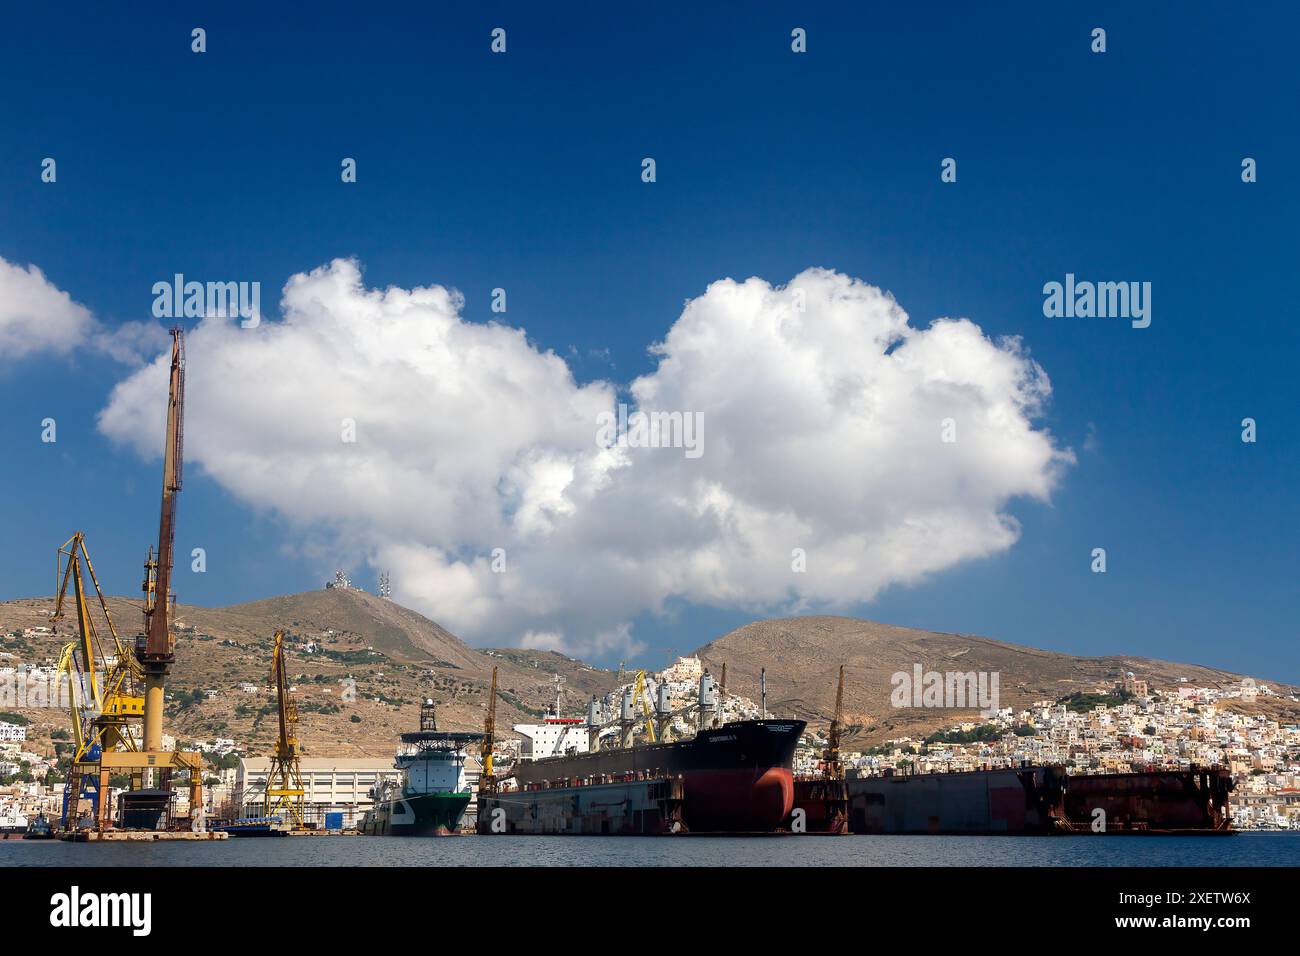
x=39 y=829
x=431 y=796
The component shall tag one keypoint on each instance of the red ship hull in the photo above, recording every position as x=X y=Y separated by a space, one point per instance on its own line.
x=738 y=800
x=737 y=778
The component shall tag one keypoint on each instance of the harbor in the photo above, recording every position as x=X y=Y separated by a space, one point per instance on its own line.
x=1249 y=849
x=669 y=754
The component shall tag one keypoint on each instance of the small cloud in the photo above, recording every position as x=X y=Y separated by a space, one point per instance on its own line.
x=131 y=342
x=38 y=316
x=1091 y=442
x=543 y=641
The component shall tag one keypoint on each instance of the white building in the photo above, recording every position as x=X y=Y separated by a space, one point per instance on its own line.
x=330 y=785
x=685 y=670
x=12 y=733
x=551 y=738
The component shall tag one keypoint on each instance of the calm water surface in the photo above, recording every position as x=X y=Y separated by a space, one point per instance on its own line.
x=1244 y=849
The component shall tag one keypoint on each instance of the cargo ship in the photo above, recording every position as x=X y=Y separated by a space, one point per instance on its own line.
x=13 y=825
x=733 y=777
x=430 y=796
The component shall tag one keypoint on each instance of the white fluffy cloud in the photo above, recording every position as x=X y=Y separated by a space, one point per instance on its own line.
x=822 y=432
x=37 y=316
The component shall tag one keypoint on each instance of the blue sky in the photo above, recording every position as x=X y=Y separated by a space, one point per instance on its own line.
x=523 y=171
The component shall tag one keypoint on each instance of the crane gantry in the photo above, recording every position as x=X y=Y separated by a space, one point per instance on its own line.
x=105 y=708
x=154 y=652
x=284 y=789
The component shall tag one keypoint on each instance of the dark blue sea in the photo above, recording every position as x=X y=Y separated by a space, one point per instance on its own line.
x=1243 y=849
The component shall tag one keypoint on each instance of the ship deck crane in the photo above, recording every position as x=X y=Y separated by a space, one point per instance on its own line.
x=284 y=789
x=655 y=716
x=639 y=694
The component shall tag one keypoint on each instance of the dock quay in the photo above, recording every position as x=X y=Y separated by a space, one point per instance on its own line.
x=138 y=836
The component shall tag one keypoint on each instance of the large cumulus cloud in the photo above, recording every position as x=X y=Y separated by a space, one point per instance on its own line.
x=823 y=411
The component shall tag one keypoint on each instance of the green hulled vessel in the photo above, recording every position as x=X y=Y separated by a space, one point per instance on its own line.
x=430 y=796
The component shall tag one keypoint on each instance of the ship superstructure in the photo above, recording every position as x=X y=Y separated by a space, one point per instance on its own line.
x=431 y=793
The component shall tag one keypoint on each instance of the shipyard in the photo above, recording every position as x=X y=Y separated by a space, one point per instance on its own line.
x=559 y=468
x=672 y=754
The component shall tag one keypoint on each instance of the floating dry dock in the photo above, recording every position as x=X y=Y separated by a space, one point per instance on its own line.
x=1025 y=801
x=1039 y=800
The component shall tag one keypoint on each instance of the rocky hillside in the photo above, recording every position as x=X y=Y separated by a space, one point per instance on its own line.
x=392 y=657
x=802 y=656
x=395 y=656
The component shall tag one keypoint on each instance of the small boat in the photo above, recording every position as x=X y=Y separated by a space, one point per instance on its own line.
x=39 y=829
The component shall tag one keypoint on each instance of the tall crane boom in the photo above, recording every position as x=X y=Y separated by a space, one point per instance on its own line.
x=487 y=779
x=155 y=647
x=831 y=758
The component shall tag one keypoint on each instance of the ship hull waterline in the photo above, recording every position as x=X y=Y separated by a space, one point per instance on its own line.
x=420 y=815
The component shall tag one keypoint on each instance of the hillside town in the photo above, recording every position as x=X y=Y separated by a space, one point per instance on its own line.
x=1126 y=729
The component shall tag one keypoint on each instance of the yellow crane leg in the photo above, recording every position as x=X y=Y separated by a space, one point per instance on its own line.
x=153 y=712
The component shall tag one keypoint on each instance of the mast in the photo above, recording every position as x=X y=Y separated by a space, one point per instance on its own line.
x=155 y=647
x=831 y=756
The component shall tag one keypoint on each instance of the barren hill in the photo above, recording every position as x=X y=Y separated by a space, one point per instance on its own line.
x=802 y=656
x=398 y=633
x=395 y=656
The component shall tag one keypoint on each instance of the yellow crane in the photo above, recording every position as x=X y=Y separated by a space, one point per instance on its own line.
x=639 y=695
x=284 y=789
x=487 y=779
x=105 y=708
x=112 y=703
x=154 y=650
